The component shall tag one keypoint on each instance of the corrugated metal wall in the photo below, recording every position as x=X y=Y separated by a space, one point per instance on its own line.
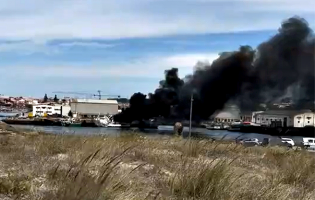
x=94 y=108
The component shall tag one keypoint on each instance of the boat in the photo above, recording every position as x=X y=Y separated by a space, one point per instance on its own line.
x=106 y=121
x=70 y=122
x=113 y=125
x=73 y=124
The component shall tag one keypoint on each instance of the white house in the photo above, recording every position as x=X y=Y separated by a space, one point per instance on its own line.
x=21 y=101
x=31 y=101
x=304 y=119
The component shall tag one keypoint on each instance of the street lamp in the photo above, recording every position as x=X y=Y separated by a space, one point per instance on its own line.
x=191 y=108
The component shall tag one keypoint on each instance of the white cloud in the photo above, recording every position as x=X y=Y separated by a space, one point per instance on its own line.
x=28 y=47
x=87 y=44
x=149 y=67
x=136 y=18
x=188 y=60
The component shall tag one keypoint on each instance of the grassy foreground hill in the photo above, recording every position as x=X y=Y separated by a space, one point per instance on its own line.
x=132 y=166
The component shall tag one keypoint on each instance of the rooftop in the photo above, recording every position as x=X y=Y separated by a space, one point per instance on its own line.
x=102 y=101
x=284 y=112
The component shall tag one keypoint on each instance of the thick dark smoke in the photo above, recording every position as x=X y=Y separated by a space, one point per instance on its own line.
x=281 y=68
x=285 y=62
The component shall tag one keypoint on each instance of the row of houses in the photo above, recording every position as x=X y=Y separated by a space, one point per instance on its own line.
x=17 y=101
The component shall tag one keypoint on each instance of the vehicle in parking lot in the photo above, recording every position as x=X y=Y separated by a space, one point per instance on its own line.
x=250 y=142
x=309 y=143
x=288 y=141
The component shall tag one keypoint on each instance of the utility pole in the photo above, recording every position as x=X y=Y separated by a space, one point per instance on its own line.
x=191 y=109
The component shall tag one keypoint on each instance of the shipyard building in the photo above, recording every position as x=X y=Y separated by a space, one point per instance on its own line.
x=284 y=118
x=93 y=107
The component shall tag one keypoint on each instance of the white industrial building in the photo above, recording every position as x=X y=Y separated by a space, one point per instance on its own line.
x=57 y=109
x=286 y=118
x=41 y=110
x=93 y=107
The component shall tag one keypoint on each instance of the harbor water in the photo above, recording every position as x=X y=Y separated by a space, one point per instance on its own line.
x=162 y=130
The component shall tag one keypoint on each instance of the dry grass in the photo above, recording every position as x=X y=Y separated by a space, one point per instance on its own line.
x=132 y=166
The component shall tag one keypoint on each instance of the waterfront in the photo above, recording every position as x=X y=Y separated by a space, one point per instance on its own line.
x=161 y=131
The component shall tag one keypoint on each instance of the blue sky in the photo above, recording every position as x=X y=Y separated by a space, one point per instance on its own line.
x=122 y=47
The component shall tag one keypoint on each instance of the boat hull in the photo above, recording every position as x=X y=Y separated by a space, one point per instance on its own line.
x=38 y=122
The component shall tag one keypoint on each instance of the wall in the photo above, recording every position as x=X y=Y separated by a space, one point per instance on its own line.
x=265 y=118
x=304 y=119
x=40 y=110
x=57 y=109
x=254 y=114
x=65 y=110
x=94 y=108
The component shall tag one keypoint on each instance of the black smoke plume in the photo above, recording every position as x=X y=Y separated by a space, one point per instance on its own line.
x=281 y=68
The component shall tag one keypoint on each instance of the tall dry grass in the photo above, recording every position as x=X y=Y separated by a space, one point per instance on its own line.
x=134 y=166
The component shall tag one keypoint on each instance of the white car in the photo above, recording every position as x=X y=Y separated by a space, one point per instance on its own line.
x=309 y=143
x=287 y=141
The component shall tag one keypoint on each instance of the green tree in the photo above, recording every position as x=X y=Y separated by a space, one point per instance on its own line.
x=45 y=98
x=56 y=99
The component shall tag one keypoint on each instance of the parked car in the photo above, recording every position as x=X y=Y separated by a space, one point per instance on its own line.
x=309 y=143
x=288 y=141
x=250 y=142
